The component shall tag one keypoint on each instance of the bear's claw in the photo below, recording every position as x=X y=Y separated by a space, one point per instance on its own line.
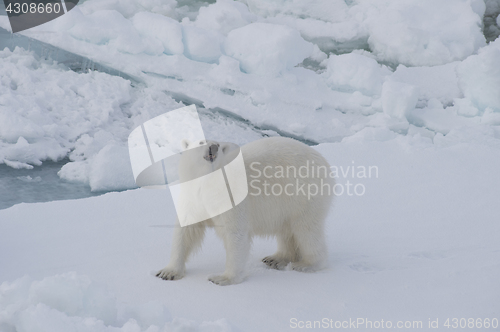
x=275 y=263
x=169 y=274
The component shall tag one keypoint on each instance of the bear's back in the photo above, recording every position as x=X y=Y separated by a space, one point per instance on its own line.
x=277 y=161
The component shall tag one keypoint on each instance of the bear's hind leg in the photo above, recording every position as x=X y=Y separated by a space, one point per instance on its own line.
x=186 y=240
x=286 y=253
x=311 y=247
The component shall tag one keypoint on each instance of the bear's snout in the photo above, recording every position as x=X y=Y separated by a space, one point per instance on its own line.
x=212 y=152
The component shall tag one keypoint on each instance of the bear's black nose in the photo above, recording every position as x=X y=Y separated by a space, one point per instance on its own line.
x=212 y=152
x=213 y=149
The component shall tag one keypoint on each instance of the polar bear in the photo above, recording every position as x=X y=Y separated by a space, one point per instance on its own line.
x=290 y=190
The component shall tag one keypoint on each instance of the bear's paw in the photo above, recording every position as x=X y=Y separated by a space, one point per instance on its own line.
x=170 y=274
x=222 y=280
x=303 y=267
x=275 y=262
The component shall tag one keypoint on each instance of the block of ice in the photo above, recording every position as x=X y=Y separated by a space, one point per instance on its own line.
x=440 y=82
x=110 y=169
x=201 y=44
x=465 y=107
x=112 y=28
x=356 y=72
x=267 y=49
x=423 y=32
x=479 y=77
x=398 y=99
x=164 y=29
x=224 y=16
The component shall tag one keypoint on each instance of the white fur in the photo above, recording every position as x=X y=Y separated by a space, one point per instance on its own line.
x=296 y=221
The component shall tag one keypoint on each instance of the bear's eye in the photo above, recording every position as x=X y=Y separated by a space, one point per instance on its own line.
x=201 y=142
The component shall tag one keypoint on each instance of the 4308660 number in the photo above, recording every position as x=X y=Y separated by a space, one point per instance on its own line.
x=40 y=8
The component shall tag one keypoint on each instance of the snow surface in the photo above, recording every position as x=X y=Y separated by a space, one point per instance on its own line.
x=410 y=86
x=422 y=242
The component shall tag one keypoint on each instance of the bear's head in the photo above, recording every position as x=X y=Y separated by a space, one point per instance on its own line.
x=202 y=157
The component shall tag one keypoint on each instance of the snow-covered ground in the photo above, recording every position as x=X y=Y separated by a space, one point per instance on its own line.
x=420 y=244
x=411 y=87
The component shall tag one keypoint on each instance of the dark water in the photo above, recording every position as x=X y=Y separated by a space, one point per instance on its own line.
x=40 y=184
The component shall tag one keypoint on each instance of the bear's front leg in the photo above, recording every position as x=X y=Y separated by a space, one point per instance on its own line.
x=185 y=240
x=237 y=242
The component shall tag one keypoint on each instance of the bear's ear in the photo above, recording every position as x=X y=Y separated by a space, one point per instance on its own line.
x=184 y=144
x=225 y=147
